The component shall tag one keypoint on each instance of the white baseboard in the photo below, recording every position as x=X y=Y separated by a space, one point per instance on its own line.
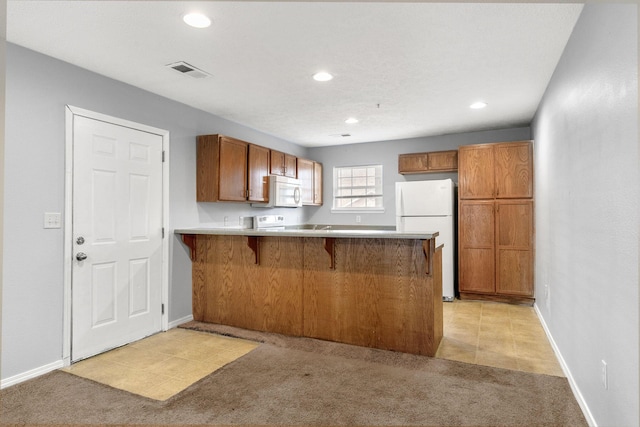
x=7 y=382
x=180 y=321
x=567 y=372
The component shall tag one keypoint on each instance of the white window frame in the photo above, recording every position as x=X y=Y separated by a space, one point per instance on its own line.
x=335 y=209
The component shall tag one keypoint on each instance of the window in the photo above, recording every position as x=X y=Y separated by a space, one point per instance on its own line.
x=357 y=188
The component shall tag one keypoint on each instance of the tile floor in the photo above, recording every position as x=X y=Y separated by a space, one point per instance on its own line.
x=499 y=335
x=163 y=364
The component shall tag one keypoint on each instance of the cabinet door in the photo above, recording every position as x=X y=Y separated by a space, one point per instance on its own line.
x=232 y=185
x=443 y=161
x=305 y=175
x=207 y=168
x=476 y=172
x=283 y=164
x=413 y=163
x=277 y=162
x=258 y=170
x=476 y=246
x=514 y=247
x=290 y=166
x=514 y=170
x=317 y=183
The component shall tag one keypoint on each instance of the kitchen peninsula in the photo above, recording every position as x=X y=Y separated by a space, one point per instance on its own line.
x=368 y=287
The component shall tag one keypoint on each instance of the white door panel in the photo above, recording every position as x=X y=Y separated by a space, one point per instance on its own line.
x=117 y=211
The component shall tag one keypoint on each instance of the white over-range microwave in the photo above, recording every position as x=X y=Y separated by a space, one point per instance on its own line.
x=284 y=192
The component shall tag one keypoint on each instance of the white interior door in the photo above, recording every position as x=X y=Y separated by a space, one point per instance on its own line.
x=116 y=281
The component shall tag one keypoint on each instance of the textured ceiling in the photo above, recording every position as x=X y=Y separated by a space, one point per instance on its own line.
x=404 y=70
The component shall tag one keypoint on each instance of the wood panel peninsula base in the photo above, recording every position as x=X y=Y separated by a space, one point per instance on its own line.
x=381 y=292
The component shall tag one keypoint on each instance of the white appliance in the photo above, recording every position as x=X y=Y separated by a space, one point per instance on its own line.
x=429 y=206
x=268 y=222
x=284 y=192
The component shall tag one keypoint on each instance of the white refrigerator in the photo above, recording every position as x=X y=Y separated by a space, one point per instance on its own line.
x=429 y=206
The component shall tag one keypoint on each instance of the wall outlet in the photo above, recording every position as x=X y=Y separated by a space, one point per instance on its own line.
x=605 y=378
x=358 y=219
x=52 y=220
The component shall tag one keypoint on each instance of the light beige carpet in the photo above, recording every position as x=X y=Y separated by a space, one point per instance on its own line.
x=164 y=364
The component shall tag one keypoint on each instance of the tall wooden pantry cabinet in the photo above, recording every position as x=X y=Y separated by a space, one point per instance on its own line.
x=495 y=221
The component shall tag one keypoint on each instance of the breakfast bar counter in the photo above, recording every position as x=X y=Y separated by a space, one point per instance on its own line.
x=368 y=287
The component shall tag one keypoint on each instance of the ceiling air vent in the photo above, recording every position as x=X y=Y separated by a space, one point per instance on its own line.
x=189 y=70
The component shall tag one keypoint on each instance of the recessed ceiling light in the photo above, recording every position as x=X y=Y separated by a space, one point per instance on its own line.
x=351 y=120
x=322 y=76
x=478 y=105
x=197 y=20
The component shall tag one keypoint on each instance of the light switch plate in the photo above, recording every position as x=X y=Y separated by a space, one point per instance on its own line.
x=52 y=220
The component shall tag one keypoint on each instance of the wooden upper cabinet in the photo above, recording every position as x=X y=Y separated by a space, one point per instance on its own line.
x=305 y=175
x=413 y=163
x=258 y=170
x=317 y=183
x=436 y=161
x=476 y=177
x=231 y=170
x=514 y=170
x=443 y=161
x=221 y=169
x=500 y=170
x=310 y=173
x=283 y=164
x=290 y=166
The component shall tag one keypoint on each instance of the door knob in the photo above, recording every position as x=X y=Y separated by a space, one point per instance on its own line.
x=81 y=256
x=80 y=240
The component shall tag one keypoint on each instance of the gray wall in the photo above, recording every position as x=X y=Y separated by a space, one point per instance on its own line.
x=386 y=153
x=38 y=88
x=586 y=153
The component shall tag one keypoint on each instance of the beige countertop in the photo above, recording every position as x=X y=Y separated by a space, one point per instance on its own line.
x=307 y=230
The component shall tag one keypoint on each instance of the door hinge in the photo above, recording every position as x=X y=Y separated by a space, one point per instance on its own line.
x=163 y=156
x=162 y=308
